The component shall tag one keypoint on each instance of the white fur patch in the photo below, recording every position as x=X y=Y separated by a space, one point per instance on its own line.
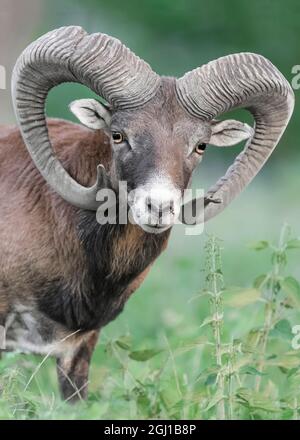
x=159 y=192
x=23 y=332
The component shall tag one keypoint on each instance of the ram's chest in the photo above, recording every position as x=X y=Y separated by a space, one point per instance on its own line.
x=29 y=331
x=90 y=299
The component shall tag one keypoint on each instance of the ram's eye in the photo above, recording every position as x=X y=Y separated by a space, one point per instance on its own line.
x=199 y=149
x=118 y=137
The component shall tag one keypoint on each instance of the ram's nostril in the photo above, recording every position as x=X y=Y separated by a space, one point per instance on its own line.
x=158 y=207
x=149 y=205
x=172 y=209
x=167 y=207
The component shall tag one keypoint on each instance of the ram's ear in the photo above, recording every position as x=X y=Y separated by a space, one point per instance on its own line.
x=230 y=132
x=91 y=113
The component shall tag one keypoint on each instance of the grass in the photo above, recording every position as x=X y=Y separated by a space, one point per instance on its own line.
x=158 y=359
x=226 y=354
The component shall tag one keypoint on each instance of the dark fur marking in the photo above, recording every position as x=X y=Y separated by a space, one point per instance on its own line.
x=73 y=371
x=102 y=294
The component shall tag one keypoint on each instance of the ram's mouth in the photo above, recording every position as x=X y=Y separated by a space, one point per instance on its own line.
x=155 y=229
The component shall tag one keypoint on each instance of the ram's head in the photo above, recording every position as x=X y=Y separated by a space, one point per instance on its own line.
x=158 y=126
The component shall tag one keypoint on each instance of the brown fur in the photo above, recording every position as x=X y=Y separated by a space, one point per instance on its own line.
x=73 y=368
x=68 y=273
x=37 y=224
x=39 y=241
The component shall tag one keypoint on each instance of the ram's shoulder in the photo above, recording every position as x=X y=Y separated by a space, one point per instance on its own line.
x=71 y=138
x=79 y=149
x=61 y=133
x=70 y=132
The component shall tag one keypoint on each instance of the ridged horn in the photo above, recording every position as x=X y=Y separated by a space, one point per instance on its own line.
x=242 y=80
x=69 y=54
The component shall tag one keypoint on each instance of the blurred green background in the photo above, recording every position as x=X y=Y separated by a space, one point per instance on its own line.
x=175 y=36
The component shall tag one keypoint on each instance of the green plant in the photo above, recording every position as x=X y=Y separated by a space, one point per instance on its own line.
x=233 y=394
x=233 y=359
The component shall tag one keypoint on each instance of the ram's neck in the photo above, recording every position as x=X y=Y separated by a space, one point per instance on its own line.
x=118 y=251
x=117 y=256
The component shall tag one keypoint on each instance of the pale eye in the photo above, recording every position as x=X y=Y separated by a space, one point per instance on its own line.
x=199 y=149
x=117 y=137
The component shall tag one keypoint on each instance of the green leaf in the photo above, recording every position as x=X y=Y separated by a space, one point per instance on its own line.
x=293 y=244
x=291 y=287
x=256 y=400
x=215 y=400
x=186 y=346
x=252 y=340
x=124 y=343
x=293 y=387
x=282 y=329
x=169 y=397
x=251 y=371
x=177 y=407
x=214 y=369
x=211 y=379
x=237 y=365
x=289 y=360
x=259 y=245
x=240 y=297
x=260 y=280
x=207 y=321
x=143 y=355
x=279 y=257
x=211 y=320
x=143 y=402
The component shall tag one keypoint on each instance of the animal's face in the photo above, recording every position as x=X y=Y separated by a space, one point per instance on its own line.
x=156 y=148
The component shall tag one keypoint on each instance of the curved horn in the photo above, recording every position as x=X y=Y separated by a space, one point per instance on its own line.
x=243 y=80
x=69 y=54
